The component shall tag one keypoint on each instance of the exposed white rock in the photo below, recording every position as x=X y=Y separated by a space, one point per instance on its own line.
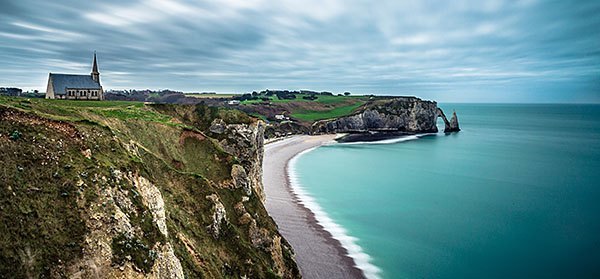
x=240 y=179
x=167 y=265
x=151 y=198
x=218 y=126
x=219 y=215
x=246 y=142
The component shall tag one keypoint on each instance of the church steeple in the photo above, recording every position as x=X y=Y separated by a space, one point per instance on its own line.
x=95 y=73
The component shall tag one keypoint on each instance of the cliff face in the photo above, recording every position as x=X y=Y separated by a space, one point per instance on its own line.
x=134 y=192
x=405 y=114
x=245 y=142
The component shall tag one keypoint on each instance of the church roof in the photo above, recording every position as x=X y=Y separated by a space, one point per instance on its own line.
x=60 y=82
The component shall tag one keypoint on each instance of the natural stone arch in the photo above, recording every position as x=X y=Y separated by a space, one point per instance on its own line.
x=450 y=126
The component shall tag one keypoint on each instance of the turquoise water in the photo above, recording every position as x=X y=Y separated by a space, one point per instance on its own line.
x=515 y=194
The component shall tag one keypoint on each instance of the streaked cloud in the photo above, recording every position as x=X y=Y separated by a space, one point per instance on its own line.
x=462 y=50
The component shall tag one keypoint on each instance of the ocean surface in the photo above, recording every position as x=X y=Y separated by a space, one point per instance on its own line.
x=515 y=194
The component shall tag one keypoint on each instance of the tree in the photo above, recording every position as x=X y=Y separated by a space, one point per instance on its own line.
x=347 y=93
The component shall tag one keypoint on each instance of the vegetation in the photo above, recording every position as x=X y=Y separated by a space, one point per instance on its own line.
x=333 y=113
x=211 y=95
x=304 y=106
x=40 y=224
x=59 y=183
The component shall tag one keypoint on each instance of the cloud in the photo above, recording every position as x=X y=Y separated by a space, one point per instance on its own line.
x=434 y=49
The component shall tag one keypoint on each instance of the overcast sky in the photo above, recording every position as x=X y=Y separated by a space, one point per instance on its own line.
x=457 y=51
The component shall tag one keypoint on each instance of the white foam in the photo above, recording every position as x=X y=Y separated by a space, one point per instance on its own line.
x=361 y=259
x=393 y=140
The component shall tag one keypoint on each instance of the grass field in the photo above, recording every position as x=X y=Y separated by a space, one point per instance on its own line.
x=320 y=115
x=211 y=96
x=324 y=107
x=78 y=103
x=78 y=110
x=323 y=99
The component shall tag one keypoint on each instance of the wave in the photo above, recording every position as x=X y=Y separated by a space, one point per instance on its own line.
x=390 y=141
x=361 y=259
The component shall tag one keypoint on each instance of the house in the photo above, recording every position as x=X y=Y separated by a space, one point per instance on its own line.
x=76 y=87
x=281 y=117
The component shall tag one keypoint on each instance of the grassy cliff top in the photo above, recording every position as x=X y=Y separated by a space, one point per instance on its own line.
x=71 y=168
x=303 y=108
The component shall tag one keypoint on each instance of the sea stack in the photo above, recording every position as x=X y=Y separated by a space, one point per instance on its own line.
x=453 y=127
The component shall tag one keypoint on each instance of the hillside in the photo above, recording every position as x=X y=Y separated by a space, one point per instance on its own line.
x=112 y=189
x=302 y=106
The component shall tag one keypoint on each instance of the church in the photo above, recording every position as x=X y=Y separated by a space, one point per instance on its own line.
x=75 y=87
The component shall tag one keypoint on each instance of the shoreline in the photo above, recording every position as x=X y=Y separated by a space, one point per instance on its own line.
x=318 y=253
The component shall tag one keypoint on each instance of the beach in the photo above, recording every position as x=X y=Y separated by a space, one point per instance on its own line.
x=318 y=254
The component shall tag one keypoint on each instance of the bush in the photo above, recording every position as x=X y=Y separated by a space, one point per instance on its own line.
x=286 y=95
x=15 y=135
x=310 y=97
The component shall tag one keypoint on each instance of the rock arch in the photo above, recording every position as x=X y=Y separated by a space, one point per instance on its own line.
x=450 y=126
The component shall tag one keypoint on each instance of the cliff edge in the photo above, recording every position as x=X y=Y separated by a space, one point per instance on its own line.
x=127 y=190
x=392 y=116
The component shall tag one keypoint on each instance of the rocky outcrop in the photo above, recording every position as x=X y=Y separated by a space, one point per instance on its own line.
x=219 y=215
x=116 y=237
x=245 y=142
x=405 y=114
x=453 y=123
x=278 y=130
x=449 y=126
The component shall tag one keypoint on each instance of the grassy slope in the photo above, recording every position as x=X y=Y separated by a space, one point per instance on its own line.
x=211 y=96
x=42 y=222
x=312 y=115
x=308 y=110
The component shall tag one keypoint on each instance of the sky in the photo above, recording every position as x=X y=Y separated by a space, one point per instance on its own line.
x=449 y=51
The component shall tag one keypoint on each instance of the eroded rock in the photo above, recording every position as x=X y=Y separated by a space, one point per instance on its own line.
x=405 y=114
x=219 y=215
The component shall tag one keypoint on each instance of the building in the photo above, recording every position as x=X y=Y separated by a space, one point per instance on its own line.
x=281 y=117
x=76 y=87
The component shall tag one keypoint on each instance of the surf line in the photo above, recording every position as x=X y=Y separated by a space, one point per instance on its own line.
x=361 y=259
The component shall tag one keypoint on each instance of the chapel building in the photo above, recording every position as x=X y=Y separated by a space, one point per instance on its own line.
x=75 y=87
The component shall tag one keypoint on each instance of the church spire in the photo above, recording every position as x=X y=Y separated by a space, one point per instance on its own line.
x=95 y=73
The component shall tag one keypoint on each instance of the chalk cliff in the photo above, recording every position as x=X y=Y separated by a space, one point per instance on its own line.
x=403 y=114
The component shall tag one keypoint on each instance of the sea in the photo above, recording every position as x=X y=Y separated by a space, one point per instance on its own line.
x=515 y=194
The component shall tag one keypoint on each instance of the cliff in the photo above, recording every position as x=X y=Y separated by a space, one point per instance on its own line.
x=404 y=114
x=126 y=190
